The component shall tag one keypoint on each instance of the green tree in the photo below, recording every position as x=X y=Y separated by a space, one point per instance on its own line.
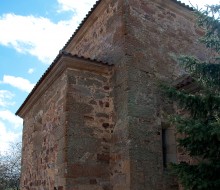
x=201 y=125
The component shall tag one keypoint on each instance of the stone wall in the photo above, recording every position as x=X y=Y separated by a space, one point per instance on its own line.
x=105 y=40
x=102 y=36
x=101 y=131
x=141 y=38
x=157 y=32
x=90 y=125
x=67 y=128
x=43 y=164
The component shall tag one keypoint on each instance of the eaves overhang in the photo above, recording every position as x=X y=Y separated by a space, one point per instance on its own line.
x=62 y=62
x=186 y=83
x=62 y=55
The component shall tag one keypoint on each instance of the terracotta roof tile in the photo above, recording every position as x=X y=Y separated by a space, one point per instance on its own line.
x=183 y=5
x=186 y=83
x=61 y=53
x=83 y=21
x=97 y=3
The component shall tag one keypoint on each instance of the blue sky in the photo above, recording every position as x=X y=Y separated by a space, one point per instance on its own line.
x=31 y=34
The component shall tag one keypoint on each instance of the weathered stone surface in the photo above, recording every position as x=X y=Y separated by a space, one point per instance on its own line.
x=93 y=130
x=43 y=146
x=88 y=139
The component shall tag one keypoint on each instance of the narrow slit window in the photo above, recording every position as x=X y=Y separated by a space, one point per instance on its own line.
x=168 y=146
x=164 y=148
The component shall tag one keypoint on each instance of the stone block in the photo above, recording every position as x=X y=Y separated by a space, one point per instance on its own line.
x=90 y=170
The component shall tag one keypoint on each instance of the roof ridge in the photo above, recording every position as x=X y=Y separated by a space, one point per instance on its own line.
x=94 y=7
x=62 y=52
x=183 y=5
x=82 y=22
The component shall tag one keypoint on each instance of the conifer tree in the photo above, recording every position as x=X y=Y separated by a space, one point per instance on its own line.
x=201 y=125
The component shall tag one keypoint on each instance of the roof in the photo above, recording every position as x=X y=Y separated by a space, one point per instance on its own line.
x=183 y=5
x=94 y=7
x=62 y=53
x=186 y=83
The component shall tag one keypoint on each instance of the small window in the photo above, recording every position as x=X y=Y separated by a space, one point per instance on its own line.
x=168 y=145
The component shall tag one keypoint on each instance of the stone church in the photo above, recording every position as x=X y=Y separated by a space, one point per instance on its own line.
x=96 y=119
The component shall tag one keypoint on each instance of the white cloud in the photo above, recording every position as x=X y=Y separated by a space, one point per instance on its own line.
x=10 y=117
x=18 y=82
x=5 y=98
x=7 y=137
x=79 y=8
x=200 y=3
x=30 y=71
x=39 y=36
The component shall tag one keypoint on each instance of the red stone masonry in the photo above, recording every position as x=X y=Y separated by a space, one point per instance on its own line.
x=96 y=124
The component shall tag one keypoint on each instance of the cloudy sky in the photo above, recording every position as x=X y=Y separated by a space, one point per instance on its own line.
x=31 y=34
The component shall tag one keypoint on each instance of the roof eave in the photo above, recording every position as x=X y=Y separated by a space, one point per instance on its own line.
x=60 y=64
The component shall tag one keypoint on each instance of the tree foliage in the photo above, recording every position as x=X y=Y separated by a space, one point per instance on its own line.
x=10 y=166
x=201 y=125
